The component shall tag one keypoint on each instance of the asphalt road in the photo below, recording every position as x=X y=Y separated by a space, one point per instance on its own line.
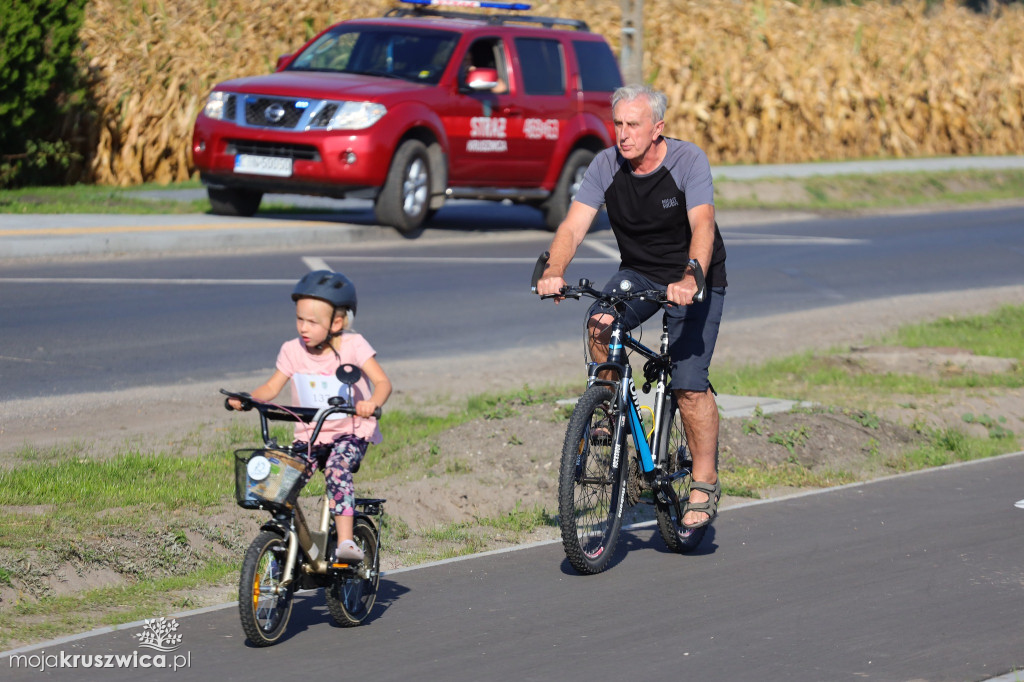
x=916 y=577
x=86 y=325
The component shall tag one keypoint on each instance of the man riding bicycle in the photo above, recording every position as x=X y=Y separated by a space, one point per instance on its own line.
x=659 y=197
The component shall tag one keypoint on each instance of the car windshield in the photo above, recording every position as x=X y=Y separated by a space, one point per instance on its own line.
x=418 y=55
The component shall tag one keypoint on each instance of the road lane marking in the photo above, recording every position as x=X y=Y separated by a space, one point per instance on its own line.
x=141 y=280
x=117 y=229
x=9 y=358
x=448 y=259
x=314 y=263
x=744 y=239
x=606 y=249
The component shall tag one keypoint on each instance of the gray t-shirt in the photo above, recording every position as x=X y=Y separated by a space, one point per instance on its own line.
x=648 y=213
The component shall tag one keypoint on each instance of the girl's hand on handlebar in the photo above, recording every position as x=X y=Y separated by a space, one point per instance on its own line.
x=365 y=408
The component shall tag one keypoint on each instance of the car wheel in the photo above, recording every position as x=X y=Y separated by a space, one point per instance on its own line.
x=404 y=201
x=237 y=202
x=557 y=206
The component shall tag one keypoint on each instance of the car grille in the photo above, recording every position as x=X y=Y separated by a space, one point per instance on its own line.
x=279 y=113
x=296 y=152
x=272 y=112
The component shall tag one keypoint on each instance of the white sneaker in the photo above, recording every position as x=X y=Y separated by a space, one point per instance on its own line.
x=348 y=551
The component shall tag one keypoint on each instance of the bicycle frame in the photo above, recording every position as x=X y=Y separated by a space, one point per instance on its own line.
x=292 y=524
x=313 y=542
x=626 y=396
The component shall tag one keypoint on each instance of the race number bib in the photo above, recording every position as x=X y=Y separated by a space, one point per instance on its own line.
x=314 y=390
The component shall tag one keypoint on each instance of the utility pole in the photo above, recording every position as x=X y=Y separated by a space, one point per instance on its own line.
x=631 y=59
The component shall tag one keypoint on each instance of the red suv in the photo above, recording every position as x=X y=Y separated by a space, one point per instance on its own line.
x=415 y=107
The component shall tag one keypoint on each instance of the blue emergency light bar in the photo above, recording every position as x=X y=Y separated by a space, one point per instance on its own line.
x=476 y=4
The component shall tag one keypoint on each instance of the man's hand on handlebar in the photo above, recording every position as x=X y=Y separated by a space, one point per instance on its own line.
x=552 y=285
x=683 y=291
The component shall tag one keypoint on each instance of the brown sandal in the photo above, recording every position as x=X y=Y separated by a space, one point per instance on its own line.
x=710 y=507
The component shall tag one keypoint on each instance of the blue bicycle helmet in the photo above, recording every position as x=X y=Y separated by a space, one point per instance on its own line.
x=333 y=287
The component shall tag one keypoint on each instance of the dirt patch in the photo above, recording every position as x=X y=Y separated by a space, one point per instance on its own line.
x=478 y=472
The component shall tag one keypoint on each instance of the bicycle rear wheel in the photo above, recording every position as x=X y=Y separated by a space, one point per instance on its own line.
x=264 y=606
x=589 y=488
x=352 y=594
x=678 y=465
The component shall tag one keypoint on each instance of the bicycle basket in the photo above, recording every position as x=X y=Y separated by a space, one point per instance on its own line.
x=267 y=478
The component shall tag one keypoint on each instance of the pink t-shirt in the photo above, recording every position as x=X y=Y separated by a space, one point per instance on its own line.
x=313 y=382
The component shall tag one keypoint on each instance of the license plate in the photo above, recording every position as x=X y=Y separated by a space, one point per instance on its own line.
x=263 y=165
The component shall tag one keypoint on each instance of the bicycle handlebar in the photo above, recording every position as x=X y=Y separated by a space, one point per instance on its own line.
x=289 y=413
x=584 y=288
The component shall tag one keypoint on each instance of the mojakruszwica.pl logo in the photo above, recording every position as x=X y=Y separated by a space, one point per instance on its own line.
x=158 y=635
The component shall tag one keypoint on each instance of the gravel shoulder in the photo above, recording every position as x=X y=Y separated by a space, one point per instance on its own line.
x=160 y=416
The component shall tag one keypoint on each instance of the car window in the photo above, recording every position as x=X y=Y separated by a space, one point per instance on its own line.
x=543 y=66
x=417 y=55
x=598 y=69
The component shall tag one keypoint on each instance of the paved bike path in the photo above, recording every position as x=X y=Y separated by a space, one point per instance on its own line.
x=915 y=577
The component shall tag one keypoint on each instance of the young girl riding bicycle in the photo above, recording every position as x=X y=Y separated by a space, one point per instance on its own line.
x=324 y=304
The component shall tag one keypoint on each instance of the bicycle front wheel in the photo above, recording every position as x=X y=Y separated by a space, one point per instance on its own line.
x=677 y=465
x=263 y=604
x=589 y=486
x=354 y=591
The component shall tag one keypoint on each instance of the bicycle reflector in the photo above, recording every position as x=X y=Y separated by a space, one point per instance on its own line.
x=476 y=4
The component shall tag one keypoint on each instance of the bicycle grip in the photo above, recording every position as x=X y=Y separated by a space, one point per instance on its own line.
x=243 y=398
x=698 y=276
x=538 y=270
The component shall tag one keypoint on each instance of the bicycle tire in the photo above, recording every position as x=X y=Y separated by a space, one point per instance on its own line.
x=589 y=489
x=352 y=594
x=264 y=609
x=676 y=537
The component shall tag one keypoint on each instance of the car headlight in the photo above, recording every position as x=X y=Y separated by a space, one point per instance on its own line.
x=356 y=115
x=216 y=102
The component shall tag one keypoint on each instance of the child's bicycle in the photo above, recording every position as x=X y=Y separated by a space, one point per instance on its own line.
x=596 y=483
x=289 y=554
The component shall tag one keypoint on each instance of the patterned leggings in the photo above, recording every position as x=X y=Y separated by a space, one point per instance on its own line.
x=347 y=452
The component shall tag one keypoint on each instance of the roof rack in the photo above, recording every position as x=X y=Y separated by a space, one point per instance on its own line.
x=421 y=8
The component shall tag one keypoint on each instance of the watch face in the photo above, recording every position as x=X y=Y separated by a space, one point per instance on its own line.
x=258 y=468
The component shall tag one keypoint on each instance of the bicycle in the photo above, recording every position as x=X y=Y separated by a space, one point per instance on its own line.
x=289 y=554
x=596 y=482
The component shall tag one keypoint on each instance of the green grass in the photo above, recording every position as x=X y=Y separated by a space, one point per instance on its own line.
x=818 y=377
x=883 y=190
x=96 y=199
x=123 y=481
x=997 y=334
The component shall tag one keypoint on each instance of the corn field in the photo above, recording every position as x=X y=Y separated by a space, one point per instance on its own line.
x=762 y=81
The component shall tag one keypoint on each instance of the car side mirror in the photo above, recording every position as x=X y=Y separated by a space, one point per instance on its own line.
x=482 y=79
x=281 y=61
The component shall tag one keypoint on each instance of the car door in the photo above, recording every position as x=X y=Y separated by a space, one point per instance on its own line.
x=485 y=127
x=546 y=106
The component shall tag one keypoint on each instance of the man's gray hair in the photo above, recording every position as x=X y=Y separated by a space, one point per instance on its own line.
x=656 y=98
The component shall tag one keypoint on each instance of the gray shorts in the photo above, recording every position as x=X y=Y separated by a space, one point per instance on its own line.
x=692 y=329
